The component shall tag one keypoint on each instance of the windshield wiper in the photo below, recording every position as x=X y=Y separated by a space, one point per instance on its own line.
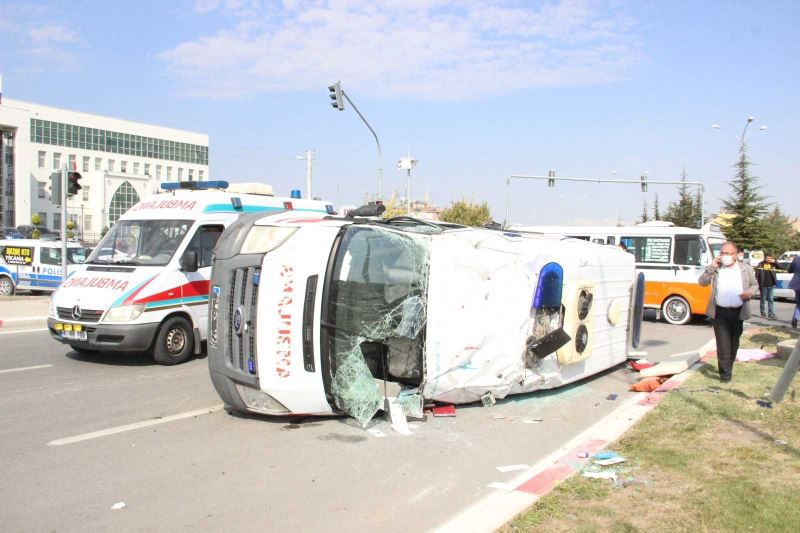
x=126 y=262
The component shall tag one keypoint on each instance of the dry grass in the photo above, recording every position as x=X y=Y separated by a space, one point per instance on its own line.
x=702 y=461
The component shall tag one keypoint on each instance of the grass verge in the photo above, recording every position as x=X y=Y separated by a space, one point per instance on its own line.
x=707 y=458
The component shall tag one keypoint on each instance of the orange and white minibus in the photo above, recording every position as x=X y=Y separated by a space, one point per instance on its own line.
x=671 y=258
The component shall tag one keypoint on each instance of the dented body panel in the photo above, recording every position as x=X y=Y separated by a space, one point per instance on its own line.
x=441 y=312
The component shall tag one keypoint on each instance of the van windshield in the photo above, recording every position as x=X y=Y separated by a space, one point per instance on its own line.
x=140 y=242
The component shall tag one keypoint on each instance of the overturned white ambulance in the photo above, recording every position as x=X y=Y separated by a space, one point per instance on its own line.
x=323 y=315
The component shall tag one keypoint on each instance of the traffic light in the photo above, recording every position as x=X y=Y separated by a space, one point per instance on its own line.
x=55 y=188
x=551 y=174
x=644 y=183
x=72 y=183
x=336 y=96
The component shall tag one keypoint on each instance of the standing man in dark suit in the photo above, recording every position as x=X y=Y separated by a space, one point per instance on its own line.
x=794 y=268
x=733 y=283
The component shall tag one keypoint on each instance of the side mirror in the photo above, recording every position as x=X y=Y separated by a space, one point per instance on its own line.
x=189 y=261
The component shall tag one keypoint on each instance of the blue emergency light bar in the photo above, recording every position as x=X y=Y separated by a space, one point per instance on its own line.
x=548 y=289
x=194 y=185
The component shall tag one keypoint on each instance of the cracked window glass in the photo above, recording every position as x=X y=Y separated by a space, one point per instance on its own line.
x=377 y=310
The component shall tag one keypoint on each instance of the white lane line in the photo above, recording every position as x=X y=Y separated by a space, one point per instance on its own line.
x=131 y=427
x=20 y=369
x=22 y=331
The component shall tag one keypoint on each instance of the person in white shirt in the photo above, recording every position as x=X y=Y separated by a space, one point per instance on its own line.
x=733 y=283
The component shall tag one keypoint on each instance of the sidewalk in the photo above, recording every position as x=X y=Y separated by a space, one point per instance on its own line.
x=23 y=312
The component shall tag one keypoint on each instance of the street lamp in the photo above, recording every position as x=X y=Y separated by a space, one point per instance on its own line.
x=740 y=138
x=407 y=163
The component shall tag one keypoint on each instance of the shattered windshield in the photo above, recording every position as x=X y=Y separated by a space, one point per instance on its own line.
x=376 y=310
x=140 y=242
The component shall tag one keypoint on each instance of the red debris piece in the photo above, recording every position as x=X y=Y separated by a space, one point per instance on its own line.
x=444 y=410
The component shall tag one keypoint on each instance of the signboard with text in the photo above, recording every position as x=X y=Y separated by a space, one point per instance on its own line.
x=17 y=255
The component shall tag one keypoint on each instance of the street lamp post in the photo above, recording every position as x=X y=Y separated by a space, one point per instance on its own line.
x=740 y=138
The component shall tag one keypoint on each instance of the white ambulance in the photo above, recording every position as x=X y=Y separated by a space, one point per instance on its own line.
x=363 y=313
x=35 y=265
x=145 y=285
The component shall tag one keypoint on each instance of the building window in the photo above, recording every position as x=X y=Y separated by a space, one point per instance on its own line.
x=43 y=220
x=56 y=221
x=87 y=223
x=191 y=174
x=124 y=198
x=136 y=168
x=180 y=174
x=169 y=173
x=199 y=175
x=42 y=156
x=40 y=189
x=56 y=161
x=123 y=167
x=86 y=163
x=111 y=165
x=73 y=164
x=147 y=169
x=85 y=190
x=158 y=172
x=98 y=163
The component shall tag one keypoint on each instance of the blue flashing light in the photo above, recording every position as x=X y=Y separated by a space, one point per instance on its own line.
x=256 y=278
x=329 y=209
x=236 y=203
x=296 y=194
x=194 y=185
x=548 y=290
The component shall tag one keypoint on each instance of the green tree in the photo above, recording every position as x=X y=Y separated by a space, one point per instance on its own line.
x=467 y=213
x=656 y=210
x=645 y=217
x=393 y=207
x=684 y=212
x=780 y=234
x=749 y=206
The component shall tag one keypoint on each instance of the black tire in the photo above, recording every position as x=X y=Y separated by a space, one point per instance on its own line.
x=676 y=310
x=6 y=286
x=175 y=341
x=81 y=349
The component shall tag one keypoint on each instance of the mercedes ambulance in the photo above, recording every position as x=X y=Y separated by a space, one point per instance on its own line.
x=145 y=285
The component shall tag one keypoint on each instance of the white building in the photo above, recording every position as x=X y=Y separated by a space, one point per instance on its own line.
x=119 y=161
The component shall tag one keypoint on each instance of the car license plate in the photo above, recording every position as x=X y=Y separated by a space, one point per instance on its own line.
x=72 y=331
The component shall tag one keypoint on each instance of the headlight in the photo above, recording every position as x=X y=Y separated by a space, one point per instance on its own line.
x=259 y=401
x=262 y=239
x=124 y=313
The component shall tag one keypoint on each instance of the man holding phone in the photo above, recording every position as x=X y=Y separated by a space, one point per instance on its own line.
x=733 y=283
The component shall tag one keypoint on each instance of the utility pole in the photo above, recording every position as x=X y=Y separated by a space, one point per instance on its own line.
x=64 y=185
x=309 y=159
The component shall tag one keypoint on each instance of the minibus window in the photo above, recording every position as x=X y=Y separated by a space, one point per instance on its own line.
x=715 y=245
x=203 y=243
x=649 y=249
x=140 y=242
x=688 y=250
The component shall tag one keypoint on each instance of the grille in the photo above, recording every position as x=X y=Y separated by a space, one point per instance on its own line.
x=87 y=315
x=242 y=294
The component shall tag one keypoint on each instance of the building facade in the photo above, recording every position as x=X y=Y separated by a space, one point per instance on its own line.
x=120 y=162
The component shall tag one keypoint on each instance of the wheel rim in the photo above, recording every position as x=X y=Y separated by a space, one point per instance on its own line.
x=676 y=310
x=5 y=287
x=176 y=341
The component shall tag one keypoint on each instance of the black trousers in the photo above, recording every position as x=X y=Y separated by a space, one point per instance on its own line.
x=727 y=330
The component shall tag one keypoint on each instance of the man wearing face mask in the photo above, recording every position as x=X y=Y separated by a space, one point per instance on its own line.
x=733 y=283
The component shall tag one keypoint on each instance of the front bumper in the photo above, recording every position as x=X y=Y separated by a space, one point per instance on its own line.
x=122 y=337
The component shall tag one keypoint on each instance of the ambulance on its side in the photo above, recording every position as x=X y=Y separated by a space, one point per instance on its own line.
x=145 y=285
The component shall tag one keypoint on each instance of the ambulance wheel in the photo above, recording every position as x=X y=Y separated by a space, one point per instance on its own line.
x=676 y=310
x=6 y=287
x=175 y=341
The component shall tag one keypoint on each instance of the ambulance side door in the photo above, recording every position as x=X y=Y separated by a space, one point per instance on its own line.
x=194 y=293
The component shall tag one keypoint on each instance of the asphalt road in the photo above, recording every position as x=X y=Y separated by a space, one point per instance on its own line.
x=81 y=433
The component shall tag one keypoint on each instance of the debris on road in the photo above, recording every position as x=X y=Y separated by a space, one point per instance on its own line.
x=119 y=505
x=647 y=384
x=611 y=397
x=488 y=399
x=532 y=420
x=766 y=404
x=375 y=432
x=512 y=468
x=444 y=410
x=640 y=364
x=753 y=354
x=780 y=442
x=669 y=368
x=603 y=474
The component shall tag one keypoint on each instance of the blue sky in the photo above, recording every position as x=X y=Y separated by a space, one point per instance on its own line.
x=475 y=90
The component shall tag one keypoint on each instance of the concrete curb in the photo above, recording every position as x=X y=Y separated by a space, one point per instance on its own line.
x=510 y=499
x=8 y=324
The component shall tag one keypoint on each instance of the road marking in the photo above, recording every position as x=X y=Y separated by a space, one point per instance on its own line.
x=131 y=427
x=22 y=331
x=24 y=368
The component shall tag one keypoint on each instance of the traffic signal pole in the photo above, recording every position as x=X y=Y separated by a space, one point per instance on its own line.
x=64 y=185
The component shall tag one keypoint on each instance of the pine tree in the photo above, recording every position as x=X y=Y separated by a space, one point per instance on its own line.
x=656 y=211
x=698 y=208
x=645 y=216
x=780 y=234
x=684 y=212
x=746 y=229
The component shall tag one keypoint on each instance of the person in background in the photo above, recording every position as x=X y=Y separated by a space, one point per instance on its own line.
x=794 y=269
x=767 y=280
x=740 y=256
x=733 y=283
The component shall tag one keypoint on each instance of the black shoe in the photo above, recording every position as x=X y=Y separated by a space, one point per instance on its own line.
x=724 y=380
x=794 y=323
x=773 y=317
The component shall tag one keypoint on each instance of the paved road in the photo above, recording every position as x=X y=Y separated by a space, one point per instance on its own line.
x=207 y=470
